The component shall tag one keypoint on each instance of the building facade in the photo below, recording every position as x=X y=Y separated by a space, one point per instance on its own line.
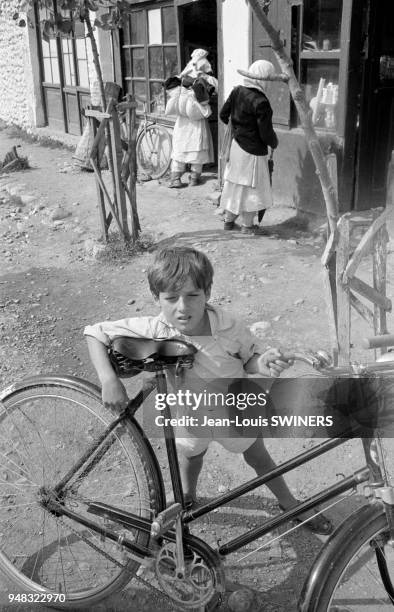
x=342 y=53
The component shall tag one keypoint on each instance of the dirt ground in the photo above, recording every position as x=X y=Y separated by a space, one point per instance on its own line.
x=56 y=278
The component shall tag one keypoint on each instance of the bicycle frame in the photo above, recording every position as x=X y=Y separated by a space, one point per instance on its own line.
x=369 y=473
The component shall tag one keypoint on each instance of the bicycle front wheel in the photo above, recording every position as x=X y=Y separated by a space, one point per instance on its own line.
x=154 y=147
x=45 y=426
x=356 y=568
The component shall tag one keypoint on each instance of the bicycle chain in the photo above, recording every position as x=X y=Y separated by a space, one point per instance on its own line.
x=158 y=592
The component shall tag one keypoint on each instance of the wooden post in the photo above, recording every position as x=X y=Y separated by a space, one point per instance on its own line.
x=117 y=156
x=132 y=150
x=100 y=196
x=379 y=256
x=372 y=244
x=342 y=291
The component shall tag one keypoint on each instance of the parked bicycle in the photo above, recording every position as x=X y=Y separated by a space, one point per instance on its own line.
x=153 y=144
x=83 y=503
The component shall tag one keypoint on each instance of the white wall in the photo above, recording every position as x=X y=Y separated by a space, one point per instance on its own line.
x=235 y=41
x=20 y=97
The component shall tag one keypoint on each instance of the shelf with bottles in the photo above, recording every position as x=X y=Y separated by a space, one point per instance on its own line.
x=324 y=105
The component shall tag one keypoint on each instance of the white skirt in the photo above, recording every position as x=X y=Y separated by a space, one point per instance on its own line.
x=192 y=141
x=247 y=185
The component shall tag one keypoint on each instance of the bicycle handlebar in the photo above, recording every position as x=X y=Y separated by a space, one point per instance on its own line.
x=322 y=362
x=381 y=341
x=316 y=359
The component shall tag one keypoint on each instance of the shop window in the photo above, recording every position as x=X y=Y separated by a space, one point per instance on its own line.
x=149 y=54
x=69 y=69
x=82 y=62
x=50 y=61
x=64 y=67
x=319 y=58
x=73 y=62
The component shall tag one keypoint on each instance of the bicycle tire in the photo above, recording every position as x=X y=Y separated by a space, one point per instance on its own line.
x=45 y=424
x=354 y=570
x=153 y=150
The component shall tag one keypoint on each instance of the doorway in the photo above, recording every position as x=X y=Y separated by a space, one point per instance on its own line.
x=376 y=119
x=198 y=30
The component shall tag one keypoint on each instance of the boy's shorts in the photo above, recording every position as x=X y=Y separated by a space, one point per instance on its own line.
x=191 y=446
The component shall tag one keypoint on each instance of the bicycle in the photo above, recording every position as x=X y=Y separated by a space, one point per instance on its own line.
x=83 y=502
x=153 y=143
x=154 y=146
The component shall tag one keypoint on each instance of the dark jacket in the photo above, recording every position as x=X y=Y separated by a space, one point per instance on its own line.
x=251 y=119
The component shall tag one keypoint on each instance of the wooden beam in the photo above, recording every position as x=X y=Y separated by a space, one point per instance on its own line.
x=100 y=134
x=117 y=156
x=379 y=279
x=330 y=247
x=343 y=301
x=100 y=196
x=362 y=310
x=363 y=246
x=332 y=325
x=356 y=284
x=104 y=189
x=90 y=112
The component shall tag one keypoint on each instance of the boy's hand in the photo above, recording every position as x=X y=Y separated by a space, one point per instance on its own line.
x=273 y=362
x=114 y=394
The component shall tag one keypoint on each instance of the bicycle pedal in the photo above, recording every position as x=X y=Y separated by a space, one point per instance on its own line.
x=141 y=571
x=165 y=519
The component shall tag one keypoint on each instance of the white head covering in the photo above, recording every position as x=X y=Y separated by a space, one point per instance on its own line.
x=197 y=64
x=262 y=69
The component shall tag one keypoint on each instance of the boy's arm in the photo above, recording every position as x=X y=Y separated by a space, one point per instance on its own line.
x=112 y=390
x=270 y=363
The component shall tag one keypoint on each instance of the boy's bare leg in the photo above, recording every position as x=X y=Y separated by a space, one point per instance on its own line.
x=190 y=468
x=261 y=461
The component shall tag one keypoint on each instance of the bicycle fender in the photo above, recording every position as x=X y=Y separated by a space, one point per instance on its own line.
x=344 y=533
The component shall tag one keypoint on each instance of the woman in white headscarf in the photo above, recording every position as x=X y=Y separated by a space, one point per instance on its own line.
x=247 y=188
x=189 y=102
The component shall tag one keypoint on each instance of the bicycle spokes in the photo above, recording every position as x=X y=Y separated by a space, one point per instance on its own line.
x=44 y=433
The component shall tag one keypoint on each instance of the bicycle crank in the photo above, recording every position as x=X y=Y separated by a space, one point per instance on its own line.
x=202 y=578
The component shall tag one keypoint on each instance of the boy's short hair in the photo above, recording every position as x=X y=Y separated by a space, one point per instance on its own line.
x=173 y=267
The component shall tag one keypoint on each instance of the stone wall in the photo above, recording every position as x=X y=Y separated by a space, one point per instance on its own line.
x=20 y=96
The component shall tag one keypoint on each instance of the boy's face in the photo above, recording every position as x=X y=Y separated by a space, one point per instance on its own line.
x=185 y=309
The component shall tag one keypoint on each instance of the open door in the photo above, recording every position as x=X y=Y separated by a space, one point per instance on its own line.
x=198 y=30
x=376 y=120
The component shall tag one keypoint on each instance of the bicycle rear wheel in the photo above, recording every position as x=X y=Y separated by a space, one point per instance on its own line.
x=356 y=568
x=45 y=427
x=154 y=147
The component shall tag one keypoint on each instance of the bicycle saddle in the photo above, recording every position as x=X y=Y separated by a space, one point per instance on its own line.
x=139 y=349
x=128 y=355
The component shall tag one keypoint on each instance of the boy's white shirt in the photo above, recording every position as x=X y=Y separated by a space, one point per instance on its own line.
x=223 y=354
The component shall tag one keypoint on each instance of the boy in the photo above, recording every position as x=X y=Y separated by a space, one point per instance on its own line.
x=180 y=279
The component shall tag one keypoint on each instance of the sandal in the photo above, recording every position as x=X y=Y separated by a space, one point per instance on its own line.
x=190 y=502
x=319 y=524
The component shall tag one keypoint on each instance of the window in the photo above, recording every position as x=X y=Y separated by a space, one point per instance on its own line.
x=82 y=62
x=50 y=61
x=73 y=52
x=149 y=54
x=319 y=57
x=64 y=67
